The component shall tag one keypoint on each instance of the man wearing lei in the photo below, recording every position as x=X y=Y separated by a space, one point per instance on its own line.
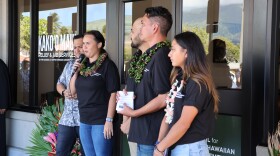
x=69 y=123
x=150 y=72
x=138 y=44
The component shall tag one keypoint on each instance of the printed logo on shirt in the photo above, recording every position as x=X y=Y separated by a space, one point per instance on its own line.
x=95 y=74
x=179 y=95
x=146 y=70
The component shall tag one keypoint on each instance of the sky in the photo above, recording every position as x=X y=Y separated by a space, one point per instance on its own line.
x=128 y=8
x=94 y=12
x=98 y=11
x=203 y=3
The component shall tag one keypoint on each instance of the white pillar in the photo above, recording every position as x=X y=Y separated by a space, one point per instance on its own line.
x=4 y=30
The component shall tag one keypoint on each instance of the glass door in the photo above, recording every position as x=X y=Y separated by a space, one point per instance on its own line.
x=57 y=21
x=219 y=24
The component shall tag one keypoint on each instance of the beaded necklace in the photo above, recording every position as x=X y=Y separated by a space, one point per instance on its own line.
x=139 y=62
x=170 y=99
x=88 y=71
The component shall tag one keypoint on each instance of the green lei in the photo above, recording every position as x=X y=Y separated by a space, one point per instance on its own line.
x=139 y=62
x=87 y=71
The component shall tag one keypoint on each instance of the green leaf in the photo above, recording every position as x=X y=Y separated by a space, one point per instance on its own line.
x=48 y=122
x=40 y=147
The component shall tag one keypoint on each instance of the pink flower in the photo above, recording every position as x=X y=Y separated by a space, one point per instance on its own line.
x=167 y=98
x=49 y=139
x=52 y=135
x=171 y=100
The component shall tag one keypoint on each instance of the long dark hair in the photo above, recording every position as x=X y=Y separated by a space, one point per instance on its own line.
x=196 y=66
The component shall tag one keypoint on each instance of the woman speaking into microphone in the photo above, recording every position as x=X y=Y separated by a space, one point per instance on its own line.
x=96 y=82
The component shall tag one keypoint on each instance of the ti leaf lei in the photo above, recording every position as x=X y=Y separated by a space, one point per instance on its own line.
x=88 y=71
x=139 y=62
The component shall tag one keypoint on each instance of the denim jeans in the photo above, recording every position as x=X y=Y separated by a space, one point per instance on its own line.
x=145 y=150
x=199 y=148
x=66 y=139
x=93 y=140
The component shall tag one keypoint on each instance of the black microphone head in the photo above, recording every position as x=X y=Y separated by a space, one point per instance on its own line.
x=81 y=57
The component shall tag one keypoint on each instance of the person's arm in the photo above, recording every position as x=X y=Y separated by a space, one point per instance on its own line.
x=125 y=118
x=178 y=129
x=163 y=129
x=66 y=92
x=72 y=84
x=62 y=82
x=60 y=88
x=73 y=79
x=154 y=105
x=126 y=124
x=162 y=133
x=108 y=127
x=112 y=85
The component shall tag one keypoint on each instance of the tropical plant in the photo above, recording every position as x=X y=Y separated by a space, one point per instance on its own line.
x=56 y=23
x=25 y=31
x=104 y=30
x=273 y=142
x=201 y=33
x=44 y=136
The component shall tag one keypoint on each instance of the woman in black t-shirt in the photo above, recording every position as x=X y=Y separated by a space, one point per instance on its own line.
x=96 y=82
x=191 y=103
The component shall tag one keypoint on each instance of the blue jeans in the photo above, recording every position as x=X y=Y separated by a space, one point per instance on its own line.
x=66 y=139
x=199 y=148
x=93 y=140
x=145 y=150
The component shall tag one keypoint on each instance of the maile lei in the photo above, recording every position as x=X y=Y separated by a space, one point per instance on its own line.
x=87 y=71
x=139 y=62
x=170 y=99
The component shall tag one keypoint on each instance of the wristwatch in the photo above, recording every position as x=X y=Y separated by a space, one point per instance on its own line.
x=108 y=119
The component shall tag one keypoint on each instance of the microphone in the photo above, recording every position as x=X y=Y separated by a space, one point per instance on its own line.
x=81 y=57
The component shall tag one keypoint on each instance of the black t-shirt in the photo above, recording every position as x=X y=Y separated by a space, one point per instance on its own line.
x=203 y=124
x=145 y=129
x=5 y=86
x=94 y=92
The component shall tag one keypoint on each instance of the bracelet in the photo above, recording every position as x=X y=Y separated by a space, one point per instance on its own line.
x=108 y=119
x=162 y=152
x=62 y=93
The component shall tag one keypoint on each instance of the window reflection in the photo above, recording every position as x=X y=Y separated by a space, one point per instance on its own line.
x=219 y=25
x=96 y=16
x=56 y=30
x=24 y=53
x=127 y=41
